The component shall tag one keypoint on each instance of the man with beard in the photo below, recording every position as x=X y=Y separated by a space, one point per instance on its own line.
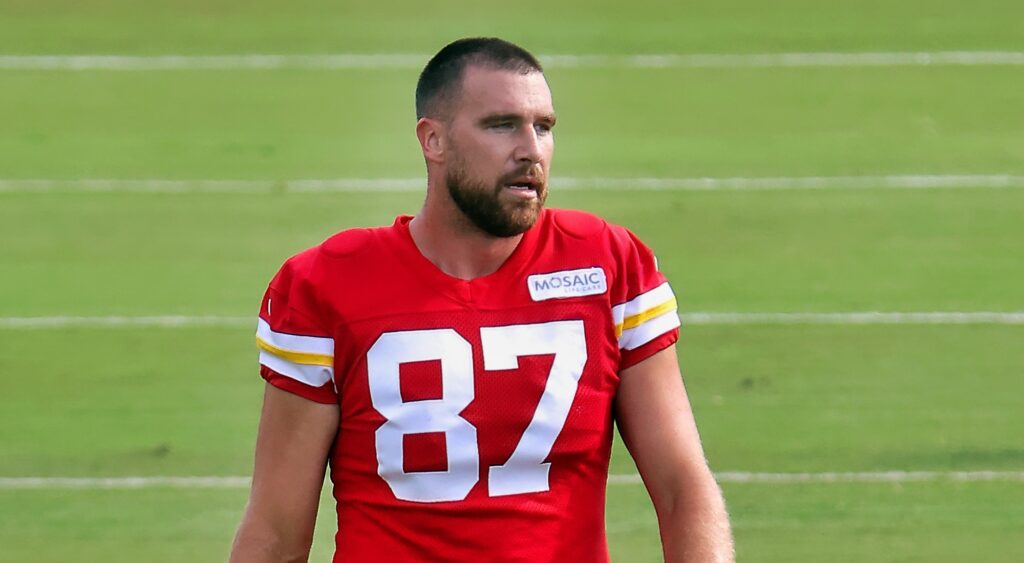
x=461 y=370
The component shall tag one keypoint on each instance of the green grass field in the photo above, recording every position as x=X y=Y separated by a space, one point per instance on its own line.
x=151 y=401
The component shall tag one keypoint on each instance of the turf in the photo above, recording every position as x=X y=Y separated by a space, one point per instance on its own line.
x=226 y=26
x=850 y=523
x=148 y=401
x=732 y=251
x=628 y=122
x=184 y=402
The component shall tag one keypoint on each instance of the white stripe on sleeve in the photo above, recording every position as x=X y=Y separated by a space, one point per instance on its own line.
x=295 y=343
x=647 y=300
x=636 y=337
x=314 y=376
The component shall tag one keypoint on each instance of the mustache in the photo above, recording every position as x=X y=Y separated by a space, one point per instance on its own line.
x=532 y=171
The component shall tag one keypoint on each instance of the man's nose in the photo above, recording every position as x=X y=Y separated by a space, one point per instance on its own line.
x=528 y=149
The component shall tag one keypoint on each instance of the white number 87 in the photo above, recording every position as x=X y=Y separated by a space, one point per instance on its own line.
x=525 y=470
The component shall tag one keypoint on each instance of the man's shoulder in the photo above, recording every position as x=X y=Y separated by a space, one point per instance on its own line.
x=358 y=241
x=577 y=224
x=357 y=245
x=589 y=227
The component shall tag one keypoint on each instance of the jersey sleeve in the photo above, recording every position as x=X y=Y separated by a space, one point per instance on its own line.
x=645 y=311
x=296 y=348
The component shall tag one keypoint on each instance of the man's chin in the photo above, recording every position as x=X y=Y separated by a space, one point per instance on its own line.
x=524 y=218
x=504 y=212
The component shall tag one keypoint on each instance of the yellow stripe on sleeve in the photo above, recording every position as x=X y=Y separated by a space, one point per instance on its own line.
x=640 y=318
x=296 y=357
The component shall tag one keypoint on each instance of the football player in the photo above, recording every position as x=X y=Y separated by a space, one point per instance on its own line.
x=460 y=370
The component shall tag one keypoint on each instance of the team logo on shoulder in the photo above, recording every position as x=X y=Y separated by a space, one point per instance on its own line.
x=567 y=283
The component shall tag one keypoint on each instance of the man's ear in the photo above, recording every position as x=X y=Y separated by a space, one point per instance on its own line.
x=431 y=135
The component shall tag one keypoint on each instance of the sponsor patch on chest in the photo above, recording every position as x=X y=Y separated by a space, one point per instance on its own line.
x=567 y=283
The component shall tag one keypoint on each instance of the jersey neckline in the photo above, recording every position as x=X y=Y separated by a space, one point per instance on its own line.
x=463 y=289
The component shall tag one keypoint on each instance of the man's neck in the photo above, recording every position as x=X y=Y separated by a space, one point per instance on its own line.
x=458 y=247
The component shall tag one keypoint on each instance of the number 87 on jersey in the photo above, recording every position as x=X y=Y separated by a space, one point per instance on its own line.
x=525 y=471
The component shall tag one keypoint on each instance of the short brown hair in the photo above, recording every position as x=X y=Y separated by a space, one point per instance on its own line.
x=442 y=76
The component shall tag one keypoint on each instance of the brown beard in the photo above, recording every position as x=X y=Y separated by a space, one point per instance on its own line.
x=483 y=206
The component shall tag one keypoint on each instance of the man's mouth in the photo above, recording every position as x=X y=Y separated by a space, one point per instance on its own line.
x=524 y=184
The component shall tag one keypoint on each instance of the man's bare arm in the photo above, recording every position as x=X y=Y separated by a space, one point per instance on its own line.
x=657 y=425
x=294 y=439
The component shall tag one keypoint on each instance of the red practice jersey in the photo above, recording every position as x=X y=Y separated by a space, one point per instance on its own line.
x=476 y=416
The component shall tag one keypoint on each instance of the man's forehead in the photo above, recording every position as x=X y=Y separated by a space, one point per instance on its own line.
x=486 y=89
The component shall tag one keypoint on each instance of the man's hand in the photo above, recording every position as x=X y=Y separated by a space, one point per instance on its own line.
x=656 y=423
x=294 y=439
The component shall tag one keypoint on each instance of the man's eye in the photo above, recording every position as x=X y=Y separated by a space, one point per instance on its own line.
x=542 y=128
x=502 y=125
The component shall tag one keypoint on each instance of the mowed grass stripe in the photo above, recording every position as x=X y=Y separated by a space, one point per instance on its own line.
x=769 y=399
x=241 y=482
x=843 y=523
x=845 y=318
x=631 y=123
x=371 y=61
x=97 y=255
x=163 y=186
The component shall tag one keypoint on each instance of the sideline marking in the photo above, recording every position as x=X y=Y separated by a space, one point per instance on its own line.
x=239 y=482
x=381 y=61
x=165 y=321
x=856 y=318
x=847 y=318
x=739 y=183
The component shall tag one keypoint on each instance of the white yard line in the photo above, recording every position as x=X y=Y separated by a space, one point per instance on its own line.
x=148 y=185
x=869 y=477
x=738 y=183
x=123 y=482
x=847 y=477
x=241 y=482
x=165 y=321
x=844 y=318
x=906 y=181
x=857 y=318
x=414 y=61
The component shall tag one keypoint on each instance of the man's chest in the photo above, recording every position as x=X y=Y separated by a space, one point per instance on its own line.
x=451 y=397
